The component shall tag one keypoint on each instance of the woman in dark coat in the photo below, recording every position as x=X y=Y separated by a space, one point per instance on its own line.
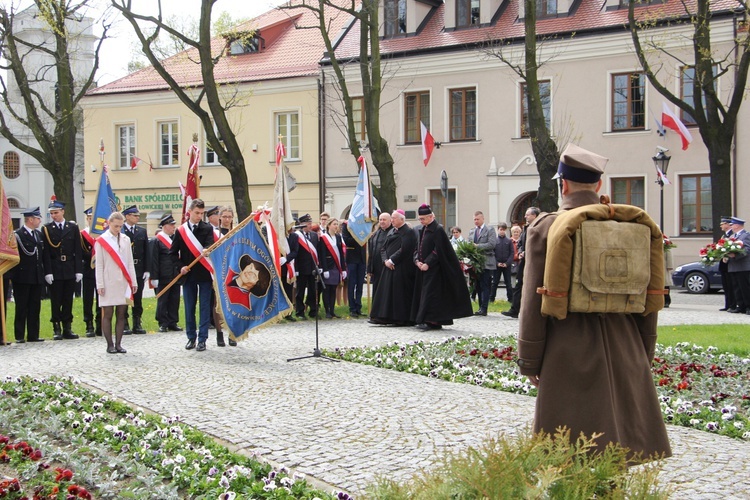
x=332 y=261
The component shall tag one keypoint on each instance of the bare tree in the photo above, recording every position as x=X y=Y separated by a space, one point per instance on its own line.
x=543 y=146
x=716 y=120
x=371 y=74
x=216 y=97
x=44 y=99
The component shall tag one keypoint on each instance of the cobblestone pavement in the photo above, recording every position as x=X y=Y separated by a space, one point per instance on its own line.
x=344 y=423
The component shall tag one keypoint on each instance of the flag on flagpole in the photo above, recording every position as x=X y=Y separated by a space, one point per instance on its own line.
x=8 y=246
x=670 y=120
x=104 y=204
x=191 y=184
x=281 y=213
x=273 y=240
x=662 y=177
x=362 y=213
x=248 y=287
x=428 y=144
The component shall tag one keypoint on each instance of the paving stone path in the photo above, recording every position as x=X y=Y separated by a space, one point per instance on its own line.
x=344 y=423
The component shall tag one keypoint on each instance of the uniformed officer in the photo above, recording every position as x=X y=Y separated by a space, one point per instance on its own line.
x=63 y=267
x=89 y=280
x=139 y=243
x=163 y=271
x=28 y=277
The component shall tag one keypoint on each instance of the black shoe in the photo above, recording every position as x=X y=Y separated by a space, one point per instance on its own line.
x=509 y=314
x=190 y=344
x=174 y=328
x=301 y=316
x=69 y=336
x=329 y=316
x=423 y=326
x=90 y=335
x=734 y=310
x=22 y=341
x=111 y=350
x=290 y=318
x=220 y=339
x=201 y=346
x=232 y=343
x=36 y=340
x=724 y=309
x=163 y=329
x=57 y=329
x=127 y=330
x=90 y=329
x=120 y=350
x=57 y=336
x=138 y=327
x=480 y=313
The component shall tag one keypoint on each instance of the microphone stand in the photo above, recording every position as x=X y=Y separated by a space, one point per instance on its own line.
x=318 y=281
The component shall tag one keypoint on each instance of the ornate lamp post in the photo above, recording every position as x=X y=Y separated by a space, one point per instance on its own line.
x=661 y=162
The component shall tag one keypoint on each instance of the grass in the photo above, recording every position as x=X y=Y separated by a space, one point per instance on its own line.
x=727 y=338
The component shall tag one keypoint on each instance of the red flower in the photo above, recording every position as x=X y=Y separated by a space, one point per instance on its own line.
x=73 y=489
x=63 y=474
x=4 y=439
x=703 y=252
x=683 y=385
x=4 y=458
x=664 y=381
x=36 y=455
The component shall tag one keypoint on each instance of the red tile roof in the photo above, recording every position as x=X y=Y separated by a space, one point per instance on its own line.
x=292 y=53
x=587 y=16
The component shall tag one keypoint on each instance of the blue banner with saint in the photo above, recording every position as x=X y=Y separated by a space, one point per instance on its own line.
x=247 y=283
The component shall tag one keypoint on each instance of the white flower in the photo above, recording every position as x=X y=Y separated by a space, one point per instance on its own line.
x=179 y=459
x=167 y=461
x=739 y=425
x=727 y=416
x=224 y=482
x=694 y=421
x=746 y=435
x=712 y=426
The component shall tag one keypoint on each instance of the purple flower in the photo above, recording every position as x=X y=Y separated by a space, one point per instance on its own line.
x=212 y=471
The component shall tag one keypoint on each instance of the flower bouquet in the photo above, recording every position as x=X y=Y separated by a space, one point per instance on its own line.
x=668 y=244
x=714 y=252
x=472 y=263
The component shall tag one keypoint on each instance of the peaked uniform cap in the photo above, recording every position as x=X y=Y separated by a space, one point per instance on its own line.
x=131 y=210
x=580 y=165
x=305 y=218
x=166 y=220
x=55 y=204
x=726 y=220
x=737 y=220
x=212 y=211
x=32 y=212
x=88 y=211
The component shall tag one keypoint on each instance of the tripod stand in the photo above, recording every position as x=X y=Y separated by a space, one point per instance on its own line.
x=316 y=352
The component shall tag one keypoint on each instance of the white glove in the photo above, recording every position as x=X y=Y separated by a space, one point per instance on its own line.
x=296 y=273
x=282 y=260
x=343 y=275
x=146 y=275
x=79 y=277
x=49 y=278
x=326 y=274
x=155 y=283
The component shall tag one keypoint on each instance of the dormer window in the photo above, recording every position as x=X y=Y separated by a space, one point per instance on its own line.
x=245 y=43
x=467 y=13
x=395 y=18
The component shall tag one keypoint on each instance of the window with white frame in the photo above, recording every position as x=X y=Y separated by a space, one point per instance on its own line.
x=211 y=157
x=287 y=126
x=169 y=144
x=358 y=117
x=126 y=145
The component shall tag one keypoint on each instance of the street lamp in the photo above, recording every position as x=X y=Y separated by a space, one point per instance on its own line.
x=661 y=162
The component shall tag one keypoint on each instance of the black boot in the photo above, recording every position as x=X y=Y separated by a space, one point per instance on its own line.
x=232 y=343
x=57 y=331
x=68 y=332
x=90 y=329
x=98 y=328
x=137 y=327
x=220 y=338
x=127 y=330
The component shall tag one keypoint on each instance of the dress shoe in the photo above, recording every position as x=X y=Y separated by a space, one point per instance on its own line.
x=734 y=310
x=201 y=346
x=509 y=314
x=190 y=344
x=220 y=339
x=57 y=336
x=290 y=318
x=36 y=340
x=90 y=334
x=127 y=330
x=423 y=326
x=301 y=316
x=69 y=336
x=163 y=329
x=121 y=350
x=232 y=343
x=175 y=328
x=57 y=329
x=329 y=316
x=90 y=329
x=111 y=350
x=724 y=309
x=138 y=327
x=22 y=341
x=480 y=313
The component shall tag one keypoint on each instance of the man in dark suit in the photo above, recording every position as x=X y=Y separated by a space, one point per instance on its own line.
x=739 y=268
x=504 y=254
x=531 y=214
x=485 y=239
x=726 y=280
x=139 y=244
x=375 y=245
x=63 y=268
x=189 y=242
x=355 y=270
x=162 y=271
x=307 y=267
x=28 y=277
x=89 y=280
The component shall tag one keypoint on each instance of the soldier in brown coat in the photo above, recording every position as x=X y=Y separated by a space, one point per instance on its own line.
x=593 y=371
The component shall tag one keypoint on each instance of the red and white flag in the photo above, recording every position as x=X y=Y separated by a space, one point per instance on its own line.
x=670 y=120
x=428 y=144
x=191 y=184
x=280 y=153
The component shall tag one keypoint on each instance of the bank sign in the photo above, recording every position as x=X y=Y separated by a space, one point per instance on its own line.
x=149 y=202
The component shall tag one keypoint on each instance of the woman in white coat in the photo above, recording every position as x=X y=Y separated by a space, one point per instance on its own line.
x=115 y=279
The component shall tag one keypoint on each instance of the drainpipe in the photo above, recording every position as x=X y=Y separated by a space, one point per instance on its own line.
x=321 y=140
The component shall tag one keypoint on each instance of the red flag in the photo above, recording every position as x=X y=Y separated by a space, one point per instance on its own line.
x=428 y=144
x=191 y=184
x=8 y=246
x=670 y=120
x=134 y=163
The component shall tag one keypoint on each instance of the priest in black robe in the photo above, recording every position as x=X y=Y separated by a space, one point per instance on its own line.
x=393 y=298
x=440 y=294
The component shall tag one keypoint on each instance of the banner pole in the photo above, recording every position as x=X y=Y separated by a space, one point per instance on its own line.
x=2 y=307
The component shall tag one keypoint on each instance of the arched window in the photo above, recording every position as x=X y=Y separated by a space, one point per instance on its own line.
x=520 y=206
x=13 y=203
x=11 y=165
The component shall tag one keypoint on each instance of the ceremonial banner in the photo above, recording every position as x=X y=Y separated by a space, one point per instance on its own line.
x=247 y=284
x=104 y=205
x=8 y=246
x=190 y=190
x=362 y=214
x=281 y=213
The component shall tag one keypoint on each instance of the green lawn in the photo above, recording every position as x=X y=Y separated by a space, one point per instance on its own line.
x=727 y=338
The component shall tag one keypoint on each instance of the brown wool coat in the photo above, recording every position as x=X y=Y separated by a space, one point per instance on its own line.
x=594 y=369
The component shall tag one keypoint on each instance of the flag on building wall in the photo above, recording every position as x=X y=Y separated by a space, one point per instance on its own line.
x=428 y=144
x=190 y=189
x=8 y=245
x=281 y=213
x=670 y=120
x=247 y=283
x=362 y=213
x=104 y=204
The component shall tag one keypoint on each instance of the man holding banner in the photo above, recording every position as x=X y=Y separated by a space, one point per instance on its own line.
x=190 y=240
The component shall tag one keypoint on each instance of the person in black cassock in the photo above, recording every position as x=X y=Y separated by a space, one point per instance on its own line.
x=393 y=298
x=440 y=293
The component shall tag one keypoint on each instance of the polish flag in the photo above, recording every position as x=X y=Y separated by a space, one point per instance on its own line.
x=428 y=144
x=670 y=120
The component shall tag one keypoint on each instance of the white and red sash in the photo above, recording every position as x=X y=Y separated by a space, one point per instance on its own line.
x=305 y=244
x=195 y=247
x=217 y=234
x=333 y=250
x=291 y=273
x=89 y=239
x=164 y=238
x=117 y=258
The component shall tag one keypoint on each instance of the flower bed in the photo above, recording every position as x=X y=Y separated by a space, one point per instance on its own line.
x=114 y=451
x=697 y=387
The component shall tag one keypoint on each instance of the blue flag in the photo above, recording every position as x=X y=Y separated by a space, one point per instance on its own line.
x=362 y=214
x=105 y=204
x=248 y=287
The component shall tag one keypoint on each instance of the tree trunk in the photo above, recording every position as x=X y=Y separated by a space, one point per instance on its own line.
x=720 y=161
